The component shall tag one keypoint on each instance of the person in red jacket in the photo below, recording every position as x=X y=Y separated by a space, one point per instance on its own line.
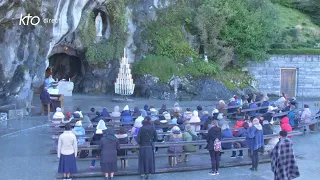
x=237 y=126
x=285 y=126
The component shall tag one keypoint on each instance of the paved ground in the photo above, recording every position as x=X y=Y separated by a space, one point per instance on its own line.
x=25 y=145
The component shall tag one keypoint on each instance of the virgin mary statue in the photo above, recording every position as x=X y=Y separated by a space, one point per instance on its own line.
x=99 y=26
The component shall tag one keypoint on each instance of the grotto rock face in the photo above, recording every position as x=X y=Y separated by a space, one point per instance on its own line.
x=24 y=49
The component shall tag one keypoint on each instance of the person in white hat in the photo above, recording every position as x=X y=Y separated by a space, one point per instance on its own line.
x=96 y=141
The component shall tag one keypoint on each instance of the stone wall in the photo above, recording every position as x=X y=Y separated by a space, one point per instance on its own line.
x=267 y=74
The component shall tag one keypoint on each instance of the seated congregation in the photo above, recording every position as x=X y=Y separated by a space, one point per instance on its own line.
x=145 y=131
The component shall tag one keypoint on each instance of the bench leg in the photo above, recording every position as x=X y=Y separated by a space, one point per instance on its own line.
x=122 y=164
x=172 y=160
x=48 y=107
x=186 y=159
x=42 y=109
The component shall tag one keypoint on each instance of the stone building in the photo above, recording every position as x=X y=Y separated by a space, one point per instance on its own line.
x=295 y=75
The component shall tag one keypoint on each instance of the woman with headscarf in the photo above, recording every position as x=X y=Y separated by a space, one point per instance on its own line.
x=96 y=141
x=255 y=142
x=136 y=112
x=109 y=146
x=116 y=112
x=58 y=117
x=146 y=138
x=195 y=119
x=126 y=115
x=214 y=134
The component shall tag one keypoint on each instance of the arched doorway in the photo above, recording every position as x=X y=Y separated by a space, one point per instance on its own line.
x=65 y=66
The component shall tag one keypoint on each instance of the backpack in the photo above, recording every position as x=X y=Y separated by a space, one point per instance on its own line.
x=84 y=153
x=217 y=145
x=194 y=137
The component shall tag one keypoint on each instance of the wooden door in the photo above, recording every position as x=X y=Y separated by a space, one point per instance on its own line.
x=288 y=82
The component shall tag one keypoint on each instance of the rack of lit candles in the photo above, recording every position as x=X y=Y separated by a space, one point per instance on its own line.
x=124 y=83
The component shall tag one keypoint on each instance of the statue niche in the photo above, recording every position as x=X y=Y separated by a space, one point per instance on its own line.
x=99 y=25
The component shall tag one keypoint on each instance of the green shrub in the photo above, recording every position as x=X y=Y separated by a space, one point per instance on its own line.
x=295 y=51
x=234 y=78
x=88 y=34
x=281 y=46
x=200 y=68
x=165 y=35
x=162 y=67
x=286 y=3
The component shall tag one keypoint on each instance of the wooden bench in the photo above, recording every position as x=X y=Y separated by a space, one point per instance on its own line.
x=130 y=135
x=167 y=144
x=173 y=155
x=315 y=121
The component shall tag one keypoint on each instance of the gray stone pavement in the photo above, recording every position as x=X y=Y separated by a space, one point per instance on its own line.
x=25 y=145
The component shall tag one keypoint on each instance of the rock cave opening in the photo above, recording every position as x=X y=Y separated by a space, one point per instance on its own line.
x=66 y=66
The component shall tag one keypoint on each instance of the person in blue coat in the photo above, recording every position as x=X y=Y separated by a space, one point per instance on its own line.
x=255 y=142
x=226 y=133
x=253 y=105
x=126 y=115
x=292 y=115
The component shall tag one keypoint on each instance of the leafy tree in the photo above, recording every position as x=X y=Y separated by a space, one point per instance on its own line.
x=310 y=7
x=251 y=29
x=211 y=19
x=165 y=35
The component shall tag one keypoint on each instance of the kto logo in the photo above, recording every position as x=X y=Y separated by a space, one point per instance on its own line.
x=34 y=20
